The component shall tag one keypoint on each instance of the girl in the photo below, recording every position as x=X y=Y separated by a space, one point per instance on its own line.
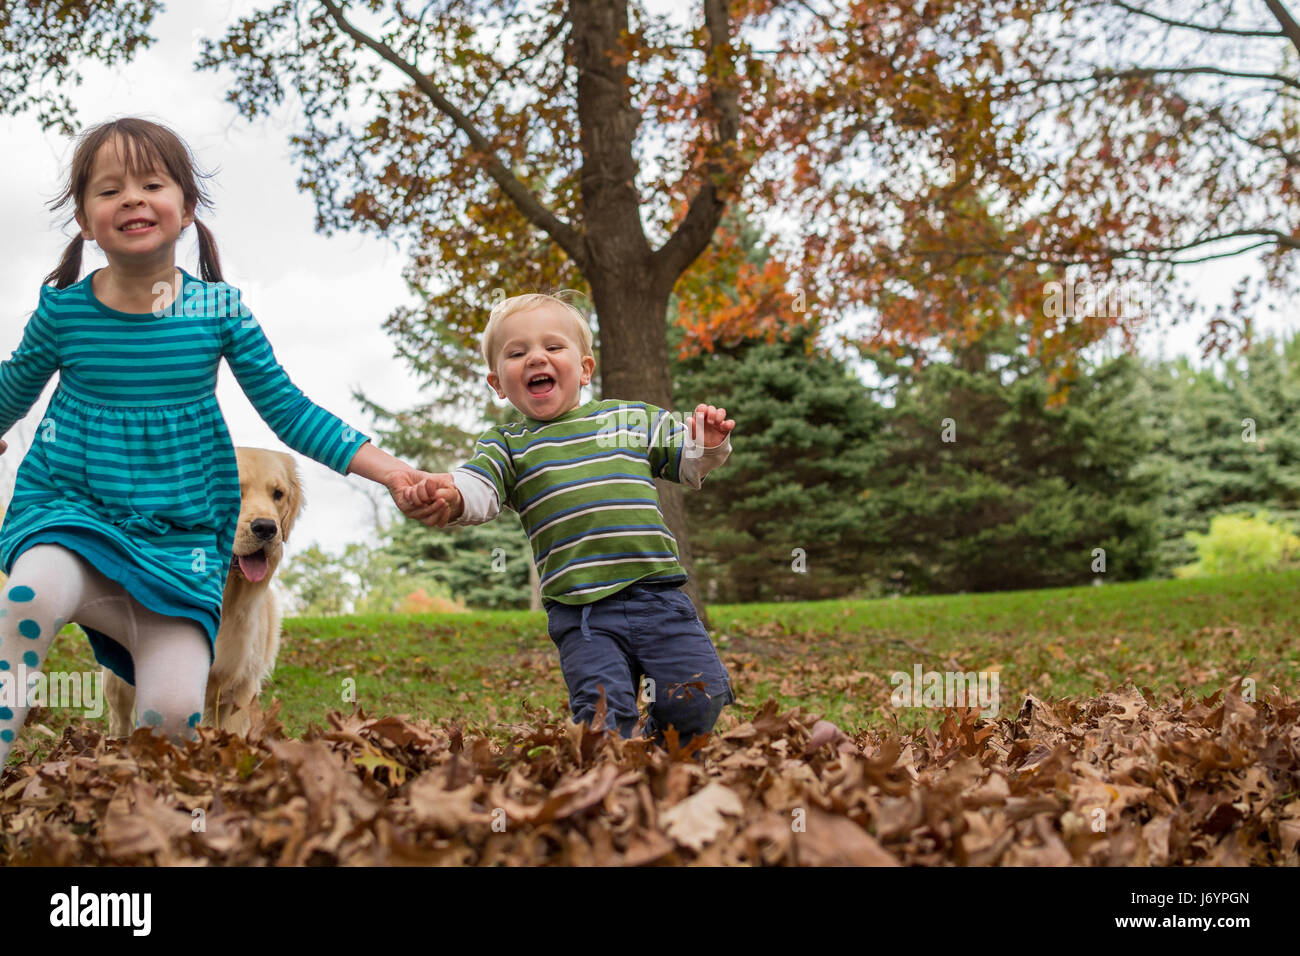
x=124 y=510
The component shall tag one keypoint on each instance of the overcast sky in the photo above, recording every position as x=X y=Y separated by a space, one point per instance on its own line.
x=321 y=301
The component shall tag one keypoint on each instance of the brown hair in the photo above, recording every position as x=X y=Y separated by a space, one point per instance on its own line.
x=148 y=146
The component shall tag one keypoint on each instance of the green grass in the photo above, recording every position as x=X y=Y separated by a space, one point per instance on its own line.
x=832 y=657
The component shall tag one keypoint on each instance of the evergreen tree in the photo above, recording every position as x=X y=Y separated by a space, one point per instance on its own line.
x=985 y=487
x=316 y=584
x=785 y=517
x=1227 y=440
x=486 y=565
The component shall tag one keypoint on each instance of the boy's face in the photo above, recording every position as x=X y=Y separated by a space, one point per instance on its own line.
x=538 y=345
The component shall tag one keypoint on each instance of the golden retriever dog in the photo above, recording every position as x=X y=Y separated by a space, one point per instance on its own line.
x=249 y=637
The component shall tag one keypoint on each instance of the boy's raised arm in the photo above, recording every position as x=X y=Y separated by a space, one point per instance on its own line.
x=697 y=464
x=709 y=444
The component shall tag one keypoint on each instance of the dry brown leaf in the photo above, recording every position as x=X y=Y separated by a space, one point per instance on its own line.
x=698 y=819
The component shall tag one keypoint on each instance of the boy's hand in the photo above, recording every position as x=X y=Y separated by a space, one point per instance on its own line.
x=3 y=446
x=436 y=500
x=709 y=425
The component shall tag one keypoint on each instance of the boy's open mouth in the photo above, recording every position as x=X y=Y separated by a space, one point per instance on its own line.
x=540 y=385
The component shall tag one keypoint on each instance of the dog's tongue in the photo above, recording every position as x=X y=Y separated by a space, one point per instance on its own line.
x=253 y=565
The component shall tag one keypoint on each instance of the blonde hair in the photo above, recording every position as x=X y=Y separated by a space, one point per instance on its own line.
x=532 y=300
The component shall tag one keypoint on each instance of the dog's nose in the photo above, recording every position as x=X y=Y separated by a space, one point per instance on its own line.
x=264 y=528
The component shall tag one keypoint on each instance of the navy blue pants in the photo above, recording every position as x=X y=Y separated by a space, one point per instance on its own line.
x=648 y=630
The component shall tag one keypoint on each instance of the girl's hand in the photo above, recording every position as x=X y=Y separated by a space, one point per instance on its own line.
x=400 y=483
x=709 y=425
x=3 y=446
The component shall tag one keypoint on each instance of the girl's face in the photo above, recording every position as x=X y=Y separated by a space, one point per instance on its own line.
x=135 y=218
x=538 y=344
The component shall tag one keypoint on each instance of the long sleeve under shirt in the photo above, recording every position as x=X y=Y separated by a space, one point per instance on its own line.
x=583 y=486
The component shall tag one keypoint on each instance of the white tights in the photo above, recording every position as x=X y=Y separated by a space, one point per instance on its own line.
x=50 y=586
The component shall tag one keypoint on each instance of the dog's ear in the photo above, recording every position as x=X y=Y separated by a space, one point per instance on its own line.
x=295 y=496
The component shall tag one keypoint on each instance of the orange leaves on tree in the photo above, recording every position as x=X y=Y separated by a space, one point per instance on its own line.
x=726 y=297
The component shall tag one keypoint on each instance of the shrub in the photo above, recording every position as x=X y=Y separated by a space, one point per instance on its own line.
x=1239 y=543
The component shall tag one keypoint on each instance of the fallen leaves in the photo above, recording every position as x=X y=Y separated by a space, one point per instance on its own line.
x=700 y=819
x=1104 y=781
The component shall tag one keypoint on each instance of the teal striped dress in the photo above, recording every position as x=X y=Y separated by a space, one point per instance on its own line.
x=132 y=466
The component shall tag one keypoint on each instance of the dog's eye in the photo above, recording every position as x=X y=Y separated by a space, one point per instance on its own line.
x=278 y=494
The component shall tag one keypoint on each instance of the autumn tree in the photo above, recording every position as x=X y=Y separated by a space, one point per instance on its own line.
x=586 y=144
x=44 y=42
x=1170 y=139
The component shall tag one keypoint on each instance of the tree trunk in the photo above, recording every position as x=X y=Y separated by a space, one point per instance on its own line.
x=629 y=289
x=634 y=355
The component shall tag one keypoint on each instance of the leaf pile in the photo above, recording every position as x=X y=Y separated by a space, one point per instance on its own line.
x=1101 y=781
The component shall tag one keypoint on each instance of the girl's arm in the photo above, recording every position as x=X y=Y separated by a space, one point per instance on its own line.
x=302 y=424
x=23 y=376
x=370 y=462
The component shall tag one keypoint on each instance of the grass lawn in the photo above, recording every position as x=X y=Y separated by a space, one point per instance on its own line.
x=832 y=657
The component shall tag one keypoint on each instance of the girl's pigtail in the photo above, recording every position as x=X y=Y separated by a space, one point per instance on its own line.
x=209 y=261
x=69 y=268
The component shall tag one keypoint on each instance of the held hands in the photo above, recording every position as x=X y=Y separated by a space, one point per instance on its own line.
x=709 y=425
x=435 y=500
x=429 y=499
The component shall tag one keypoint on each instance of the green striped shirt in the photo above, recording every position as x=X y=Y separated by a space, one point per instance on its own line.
x=583 y=486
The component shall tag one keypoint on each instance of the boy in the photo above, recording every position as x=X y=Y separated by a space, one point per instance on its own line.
x=580 y=475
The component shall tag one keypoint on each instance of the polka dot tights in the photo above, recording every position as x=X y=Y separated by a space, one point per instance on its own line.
x=51 y=586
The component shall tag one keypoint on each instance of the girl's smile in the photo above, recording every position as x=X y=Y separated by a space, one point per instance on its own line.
x=132 y=212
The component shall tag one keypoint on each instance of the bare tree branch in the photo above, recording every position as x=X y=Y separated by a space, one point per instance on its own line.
x=696 y=229
x=1101 y=75
x=1158 y=254
x=1289 y=26
x=1227 y=31
x=525 y=201
x=1188 y=70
